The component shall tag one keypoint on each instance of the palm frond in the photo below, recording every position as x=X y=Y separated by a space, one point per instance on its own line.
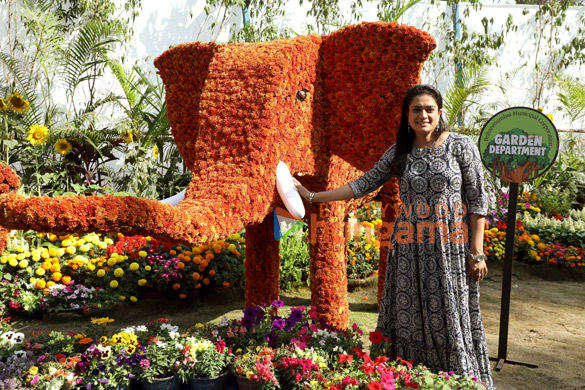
x=86 y=51
x=571 y=96
x=459 y=97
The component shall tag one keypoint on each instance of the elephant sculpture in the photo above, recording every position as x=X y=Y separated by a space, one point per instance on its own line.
x=328 y=106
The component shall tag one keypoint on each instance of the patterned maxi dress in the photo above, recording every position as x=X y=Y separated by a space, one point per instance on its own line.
x=430 y=307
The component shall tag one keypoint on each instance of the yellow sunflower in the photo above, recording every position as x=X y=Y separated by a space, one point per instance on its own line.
x=37 y=135
x=3 y=105
x=155 y=152
x=17 y=103
x=63 y=146
x=128 y=137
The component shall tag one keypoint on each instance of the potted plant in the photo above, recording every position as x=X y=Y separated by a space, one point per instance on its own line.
x=205 y=364
x=255 y=370
x=158 y=371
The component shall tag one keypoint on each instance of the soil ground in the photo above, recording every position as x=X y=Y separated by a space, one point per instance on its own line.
x=546 y=326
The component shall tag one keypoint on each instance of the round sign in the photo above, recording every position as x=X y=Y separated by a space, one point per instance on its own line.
x=518 y=144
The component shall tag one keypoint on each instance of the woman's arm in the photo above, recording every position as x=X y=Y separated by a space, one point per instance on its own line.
x=477 y=231
x=342 y=193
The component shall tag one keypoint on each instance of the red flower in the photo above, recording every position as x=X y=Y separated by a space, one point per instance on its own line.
x=345 y=358
x=376 y=337
x=375 y=386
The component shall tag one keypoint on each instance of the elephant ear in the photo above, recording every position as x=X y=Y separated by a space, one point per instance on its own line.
x=184 y=69
x=366 y=71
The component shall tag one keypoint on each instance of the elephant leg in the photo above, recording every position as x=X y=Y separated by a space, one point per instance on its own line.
x=262 y=263
x=328 y=263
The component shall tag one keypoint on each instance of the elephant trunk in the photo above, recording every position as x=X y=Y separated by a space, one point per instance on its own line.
x=214 y=215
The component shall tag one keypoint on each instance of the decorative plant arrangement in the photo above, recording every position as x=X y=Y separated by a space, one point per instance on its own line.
x=261 y=349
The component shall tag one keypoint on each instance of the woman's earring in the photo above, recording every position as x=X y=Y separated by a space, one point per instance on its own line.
x=408 y=127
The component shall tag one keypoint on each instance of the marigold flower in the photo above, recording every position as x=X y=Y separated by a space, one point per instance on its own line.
x=134 y=266
x=176 y=286
x=114 y=284
x=142 y=282
x=101 y=273
x=37 y=135
x=102 y=320
x=133 y=299
x=118 y=272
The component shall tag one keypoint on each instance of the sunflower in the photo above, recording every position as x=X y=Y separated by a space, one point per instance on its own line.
x=155 y=152
x=3 y=105
x=17 y=103
x=128 y=137
x=37 y=135
x=63 y=146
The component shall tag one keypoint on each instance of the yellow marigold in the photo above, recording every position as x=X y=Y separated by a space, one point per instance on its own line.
x=33 y=370
x=63 y=147
x=40 y=284
x=122 y=298
x=57 y=276
x=148 y=268
x=40 y=271
x=37 y=135
x=17 y=103
x=114 y=284
x=23 y=264
x=134 y=266
x=133 y=299
x=142 y=282
x=102 y=320
x=71 y=250
x=118 y=272
x=101 y=273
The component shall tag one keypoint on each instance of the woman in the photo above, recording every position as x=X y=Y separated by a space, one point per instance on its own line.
x=430 y=305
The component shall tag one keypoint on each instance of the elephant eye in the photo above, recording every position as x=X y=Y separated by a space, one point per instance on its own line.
x=302 y=94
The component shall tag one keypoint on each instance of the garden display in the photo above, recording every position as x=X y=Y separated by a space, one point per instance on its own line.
x=260 y=350
x=273 y=95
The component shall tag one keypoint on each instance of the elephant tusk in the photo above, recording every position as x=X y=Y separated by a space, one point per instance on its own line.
x=175 y=199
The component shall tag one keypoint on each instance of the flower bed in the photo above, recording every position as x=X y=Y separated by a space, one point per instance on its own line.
x=58 y=273
x=275 y=351
x=540 y=237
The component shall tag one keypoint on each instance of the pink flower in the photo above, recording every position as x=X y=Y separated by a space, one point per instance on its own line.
x=357 y=329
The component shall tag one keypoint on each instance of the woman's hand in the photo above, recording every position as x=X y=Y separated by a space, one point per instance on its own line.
x=477 y=271
x=302 y=190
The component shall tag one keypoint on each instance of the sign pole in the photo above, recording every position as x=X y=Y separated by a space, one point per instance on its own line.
x=507 y=283
x=517 y=144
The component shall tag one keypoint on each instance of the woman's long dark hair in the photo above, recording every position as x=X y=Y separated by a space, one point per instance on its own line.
x=405 y=138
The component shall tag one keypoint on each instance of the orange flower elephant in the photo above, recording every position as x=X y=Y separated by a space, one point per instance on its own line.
x=328 y=106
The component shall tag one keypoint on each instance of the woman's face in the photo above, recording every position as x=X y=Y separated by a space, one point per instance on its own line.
x=423 y=114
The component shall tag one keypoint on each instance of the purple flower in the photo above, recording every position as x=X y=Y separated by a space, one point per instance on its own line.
x=278 y=303
x=278 y=323
x=103 y=380
x=249 y=313
x=271 y=338
x=296 y=316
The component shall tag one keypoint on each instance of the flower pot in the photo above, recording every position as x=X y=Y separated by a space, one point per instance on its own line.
x=170 y=383
x=246 y=384
x=220 y=382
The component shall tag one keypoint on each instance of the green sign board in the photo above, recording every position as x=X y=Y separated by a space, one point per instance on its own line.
x=518 y=144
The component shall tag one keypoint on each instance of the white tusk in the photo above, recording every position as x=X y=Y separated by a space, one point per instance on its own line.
x=175 y=199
